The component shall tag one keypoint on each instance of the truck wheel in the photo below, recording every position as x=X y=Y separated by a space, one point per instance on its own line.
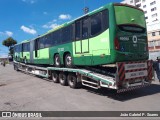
x=55 y=77
x=68 y=60
x=73 y=81
x=57 y=61
x=63 y=79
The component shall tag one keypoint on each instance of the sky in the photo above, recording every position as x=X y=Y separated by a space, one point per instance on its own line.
x=26 y=19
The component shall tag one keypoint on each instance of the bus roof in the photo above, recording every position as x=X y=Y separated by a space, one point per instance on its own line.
x=127 y=5
x=72 y=21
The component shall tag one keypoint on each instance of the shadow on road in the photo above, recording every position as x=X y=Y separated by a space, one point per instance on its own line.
x=150 y=90
x=146 y=91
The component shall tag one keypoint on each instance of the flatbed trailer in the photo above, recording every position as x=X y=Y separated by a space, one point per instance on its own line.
x=122 y=76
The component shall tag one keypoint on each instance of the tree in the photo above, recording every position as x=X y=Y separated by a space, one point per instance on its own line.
x=9 y=42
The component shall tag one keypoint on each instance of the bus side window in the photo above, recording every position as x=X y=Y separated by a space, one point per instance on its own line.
x=28 y=47
x=36 y=47
x=85 y=28
x=78 y=30
x=96 y=24
x=105 y=19
x=66 y=34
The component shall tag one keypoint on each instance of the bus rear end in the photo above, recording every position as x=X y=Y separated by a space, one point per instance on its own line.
x=131 y=37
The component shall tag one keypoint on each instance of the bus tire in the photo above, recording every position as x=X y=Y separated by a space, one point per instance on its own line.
x=63 y=79
x=68 y=60
x=73 y=81
x=55 y=77
x=57 y=60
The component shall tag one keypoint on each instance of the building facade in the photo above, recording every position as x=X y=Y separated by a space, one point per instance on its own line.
x=152 y=15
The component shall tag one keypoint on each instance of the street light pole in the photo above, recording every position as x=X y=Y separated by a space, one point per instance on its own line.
x=85 y=9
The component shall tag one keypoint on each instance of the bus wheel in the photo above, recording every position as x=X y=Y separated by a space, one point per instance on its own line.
x=73 y=81
x=63 y=79
x=55 y=77
x=57 y=61
x=68 y=60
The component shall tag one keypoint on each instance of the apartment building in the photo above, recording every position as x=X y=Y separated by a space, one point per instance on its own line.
x=152 y=15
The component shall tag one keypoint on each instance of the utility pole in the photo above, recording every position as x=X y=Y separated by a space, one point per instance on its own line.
x=86 y=10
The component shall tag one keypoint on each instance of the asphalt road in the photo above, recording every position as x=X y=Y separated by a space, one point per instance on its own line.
x=22 y=92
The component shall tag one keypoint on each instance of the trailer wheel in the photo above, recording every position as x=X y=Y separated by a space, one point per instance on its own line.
x=55 y=77
x=57 y=61
x=63 y=79
x=73 y=81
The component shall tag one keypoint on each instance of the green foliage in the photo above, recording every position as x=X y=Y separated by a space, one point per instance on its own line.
x=9 y=42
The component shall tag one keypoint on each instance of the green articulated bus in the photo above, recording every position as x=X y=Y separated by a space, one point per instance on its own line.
x=112 y=33
x=22 y=51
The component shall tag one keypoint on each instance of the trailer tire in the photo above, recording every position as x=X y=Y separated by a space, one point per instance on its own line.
x=63 y=79
x=73 y=81
x=55 y=77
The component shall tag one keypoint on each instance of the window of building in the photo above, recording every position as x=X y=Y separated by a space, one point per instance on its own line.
x=157 y=43
x=154 y=15
x=151 y=44
x=155 y=20
x=145 y=12
x=153 y=34
x=144 y=6
x=146 y=17
x=159 y=32
x=143 y=0
x=138 y=5
x=137 y=1
x=131 y=1
x=153 y=9
x=152 y=3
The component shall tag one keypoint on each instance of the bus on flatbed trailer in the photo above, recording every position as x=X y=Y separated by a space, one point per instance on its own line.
x=107 y=47
x=122 y=76
x=113 y=33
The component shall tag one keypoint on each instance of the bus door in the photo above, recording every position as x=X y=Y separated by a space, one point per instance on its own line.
x=32 y=47
x=85 y=35
x=82 y=36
